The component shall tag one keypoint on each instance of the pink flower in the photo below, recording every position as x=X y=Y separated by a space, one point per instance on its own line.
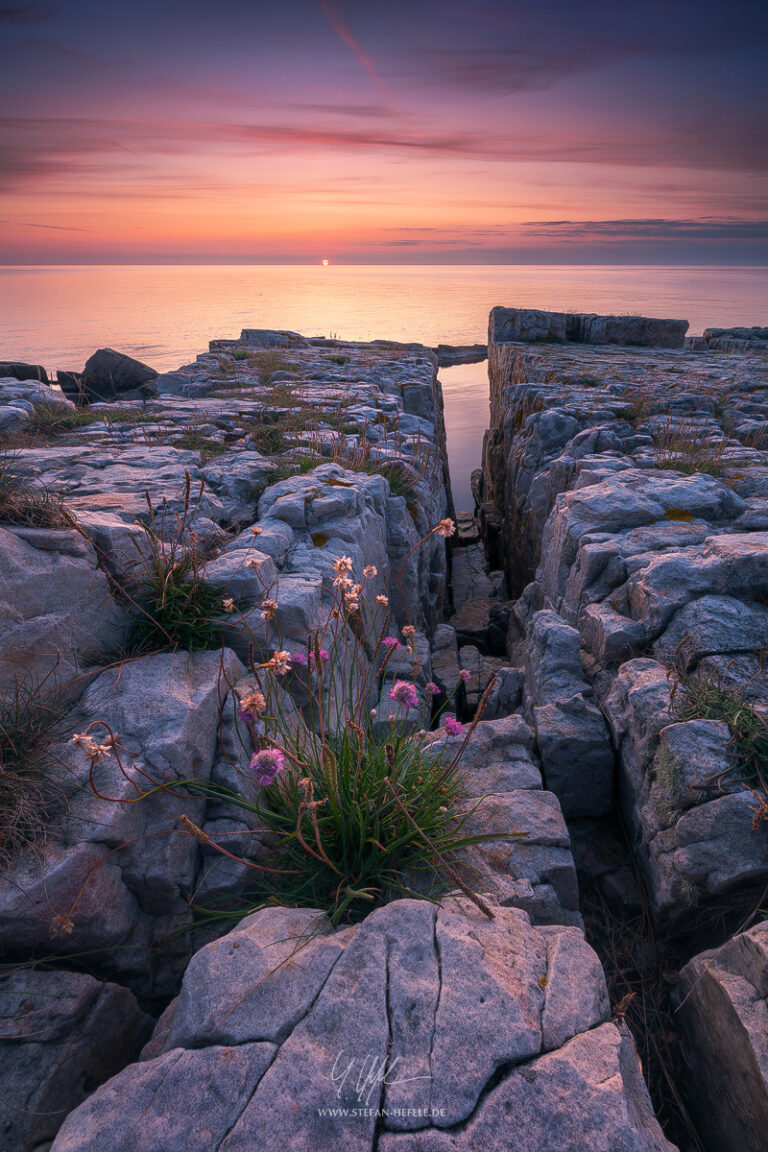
x=453 y=727
x=465 y=674
x=298 y=658
x=404 y=693
x=266 y=764
x=431 y=688
x=323 y=656
x=390 y=642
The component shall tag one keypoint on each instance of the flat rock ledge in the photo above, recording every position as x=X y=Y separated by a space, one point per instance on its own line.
x=424 y=1028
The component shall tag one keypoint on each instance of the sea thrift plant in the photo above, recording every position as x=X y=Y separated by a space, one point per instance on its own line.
x=404 y=693
x=361 y=807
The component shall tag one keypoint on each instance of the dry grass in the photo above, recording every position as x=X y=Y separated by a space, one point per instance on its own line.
x=27 y=503
x=27 y=790
x=685 y=447
x=641 y=399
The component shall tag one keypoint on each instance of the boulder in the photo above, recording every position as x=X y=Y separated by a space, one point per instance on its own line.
x=722 y=1008
x=575 y=749
x=57 y=614
x=114 y=875
x=71 y=384
x=63 y=1034
x=18 y=370
x=504 y=794
x=423 y=1027
x=109 y=375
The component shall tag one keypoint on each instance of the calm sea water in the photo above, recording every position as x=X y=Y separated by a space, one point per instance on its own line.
x=165 y=314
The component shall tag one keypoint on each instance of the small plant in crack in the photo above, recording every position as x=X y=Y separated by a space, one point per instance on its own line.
x=177 y=607
x=705 y=697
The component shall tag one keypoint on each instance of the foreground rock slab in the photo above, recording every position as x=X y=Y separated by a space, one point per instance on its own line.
x=422 y=1028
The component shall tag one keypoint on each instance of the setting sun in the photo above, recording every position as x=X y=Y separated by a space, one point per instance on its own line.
x=325 y=263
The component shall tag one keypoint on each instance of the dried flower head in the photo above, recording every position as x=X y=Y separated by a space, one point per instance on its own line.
x=61 y=926
x=254 y=563
x=446 y=527
x=252 y=704
x=229 y=604
x=93 y=750
x=383 y=601
x=409 y=631
x=268 y=609
x=370 y=571
x=256 y=531
x=280 y=663
x=342 y=564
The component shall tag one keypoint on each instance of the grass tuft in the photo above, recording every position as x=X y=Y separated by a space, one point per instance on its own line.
x=178 y=608
x=26 y=791
x=684 y=447
x=707 y=698
x=27 y=503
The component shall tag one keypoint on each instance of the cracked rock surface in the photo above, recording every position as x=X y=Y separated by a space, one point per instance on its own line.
x=626 y=492
x=723 y=1009
x=434 y=1027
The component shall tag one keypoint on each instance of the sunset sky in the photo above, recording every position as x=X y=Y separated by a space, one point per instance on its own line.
x=551 y=131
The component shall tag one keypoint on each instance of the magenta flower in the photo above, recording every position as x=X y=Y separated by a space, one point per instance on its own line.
x=453 y=727
x=431 y=688
x=298 y=658
x=323 y=656
x=465 y=674
x=404 y=693
x=266 y=764
x=390 y=642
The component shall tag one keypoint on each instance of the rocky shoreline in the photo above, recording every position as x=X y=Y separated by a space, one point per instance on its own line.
x=603 y=613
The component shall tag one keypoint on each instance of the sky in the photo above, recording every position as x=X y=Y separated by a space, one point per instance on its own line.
x=389 y=131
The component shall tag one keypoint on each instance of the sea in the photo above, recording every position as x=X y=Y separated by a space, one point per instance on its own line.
x=165 y=314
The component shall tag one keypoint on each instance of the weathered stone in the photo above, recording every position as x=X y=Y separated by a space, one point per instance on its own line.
x=722 y=1000
x=57 y=612
x=576 y=754
x=110 y=375
x=115 y=873
x=17 y=370
x=522 y=324
x=269 y=338
x=713 y=625
x=457 y=1003
x=693 y=826
x=63 y=1034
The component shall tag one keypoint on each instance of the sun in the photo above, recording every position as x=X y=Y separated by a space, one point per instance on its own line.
x=326 y=263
